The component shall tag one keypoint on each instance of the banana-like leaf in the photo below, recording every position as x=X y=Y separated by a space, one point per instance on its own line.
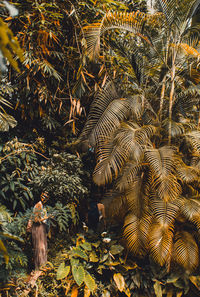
x=132 y=22
x=136 y=233
x=161 y=243
x=185 y=251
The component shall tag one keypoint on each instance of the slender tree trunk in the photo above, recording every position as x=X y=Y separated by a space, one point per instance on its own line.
x=171 y=97
x=162 y=98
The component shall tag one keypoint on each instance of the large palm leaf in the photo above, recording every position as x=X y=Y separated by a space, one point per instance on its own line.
x=162 y=164
x=132 y=22
x=185 y=251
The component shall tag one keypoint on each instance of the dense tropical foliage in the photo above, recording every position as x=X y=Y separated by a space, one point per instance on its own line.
x=99 y=100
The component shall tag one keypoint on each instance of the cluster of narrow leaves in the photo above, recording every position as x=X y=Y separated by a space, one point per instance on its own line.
x=147 y=140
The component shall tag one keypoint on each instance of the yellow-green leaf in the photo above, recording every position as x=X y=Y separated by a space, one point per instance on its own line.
x=78 y=274
x=90 y=282
x=119 y=280
x=4 y=251
x=157 y=289
x=62 y=271
x=93 y=257
x=116 y=249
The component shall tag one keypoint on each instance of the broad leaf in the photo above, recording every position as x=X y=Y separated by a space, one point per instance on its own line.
x=78 y=274
x=90 y=282
x=119 y=280
x=62 y=271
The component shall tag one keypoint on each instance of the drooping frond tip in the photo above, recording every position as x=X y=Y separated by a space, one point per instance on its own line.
x=132 y=22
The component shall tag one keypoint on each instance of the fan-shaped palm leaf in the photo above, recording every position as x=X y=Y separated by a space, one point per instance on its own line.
x=185 y=251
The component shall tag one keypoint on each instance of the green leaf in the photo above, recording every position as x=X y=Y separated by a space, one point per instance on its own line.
x=14 y=204
x=3 y=250
x=158 y=289
x=74 y=262
x=93 y=257
x=119 y=280
x=12 y=186
x=78 y=274
x=62 y=271
x=80 y=253
x=86 y=246
x=116 y=249
x=90 y=282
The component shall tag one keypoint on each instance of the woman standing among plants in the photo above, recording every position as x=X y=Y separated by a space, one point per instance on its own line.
x=37 y=225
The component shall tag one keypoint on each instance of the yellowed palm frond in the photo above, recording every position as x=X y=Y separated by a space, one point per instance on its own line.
x=161 y=243
x=132 y=22
x=190 y=208
x=187 y=49
x=135 y=199
x=131 y=173
x=100 y=103
x=136 y=233
x=193 y=138
x=185 y=251
x=165 y=212
x=162 y=164
x=187 y=174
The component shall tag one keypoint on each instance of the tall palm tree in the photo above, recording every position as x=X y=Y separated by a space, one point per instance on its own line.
x=143 y=125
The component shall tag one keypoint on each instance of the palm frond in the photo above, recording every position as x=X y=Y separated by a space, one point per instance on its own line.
x=135 y=199
x=162 y=164
x=187 y=174
x=130 y=174
x=136 y=233
x=100 y=103
x=161 y=243
x=132 y=22
x=193 y=139
x=190 y=208
x=165 y=212
x=185 y=251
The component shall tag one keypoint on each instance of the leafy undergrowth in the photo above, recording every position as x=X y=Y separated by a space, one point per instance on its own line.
x=97 y=265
